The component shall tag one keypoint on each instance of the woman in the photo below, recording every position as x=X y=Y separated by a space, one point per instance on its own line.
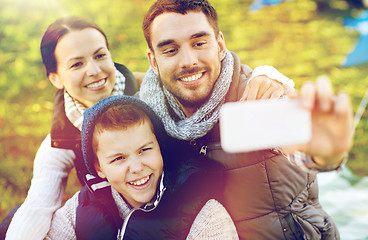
x=78 y=63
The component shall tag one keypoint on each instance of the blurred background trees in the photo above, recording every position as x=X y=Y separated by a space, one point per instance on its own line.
x=303 y=39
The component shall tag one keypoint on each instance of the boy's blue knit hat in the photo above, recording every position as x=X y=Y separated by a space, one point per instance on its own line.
x=93 y=113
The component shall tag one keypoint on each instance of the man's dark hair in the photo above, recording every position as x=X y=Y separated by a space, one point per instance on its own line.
x=181 y=7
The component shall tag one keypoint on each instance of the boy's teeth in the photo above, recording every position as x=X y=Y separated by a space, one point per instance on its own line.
x=141 y=181
x=96 y=84
x=191 y=78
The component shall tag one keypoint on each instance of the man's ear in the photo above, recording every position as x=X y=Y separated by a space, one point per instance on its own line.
x=98 y=170
x=222 y=45
x=55 y=80
x=152 y=60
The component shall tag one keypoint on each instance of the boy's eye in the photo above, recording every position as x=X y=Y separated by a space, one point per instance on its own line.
x=144 y=150
x=117 y=159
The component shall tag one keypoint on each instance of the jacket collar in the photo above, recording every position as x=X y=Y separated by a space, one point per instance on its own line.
x=148 y=207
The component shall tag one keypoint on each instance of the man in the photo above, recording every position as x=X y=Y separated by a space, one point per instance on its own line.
x=192 y=75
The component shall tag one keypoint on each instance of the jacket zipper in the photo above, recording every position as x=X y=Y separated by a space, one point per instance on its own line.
x=121 y=232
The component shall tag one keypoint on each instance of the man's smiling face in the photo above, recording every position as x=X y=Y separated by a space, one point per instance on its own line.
x=187 y=56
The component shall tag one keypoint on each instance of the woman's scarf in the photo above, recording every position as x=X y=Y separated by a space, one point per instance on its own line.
x=74 y=109
x=203 y=120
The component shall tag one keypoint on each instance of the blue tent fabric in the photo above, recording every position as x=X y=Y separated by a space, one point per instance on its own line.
x=258 y=4
x=357 y=22
x=359 y=54
x=345 y=197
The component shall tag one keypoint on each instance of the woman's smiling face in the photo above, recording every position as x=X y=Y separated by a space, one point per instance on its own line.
x=84 y=66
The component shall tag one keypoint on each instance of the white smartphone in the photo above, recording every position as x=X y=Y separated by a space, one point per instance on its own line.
x=262 y=124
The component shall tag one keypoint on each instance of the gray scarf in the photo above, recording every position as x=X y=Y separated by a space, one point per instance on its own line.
x=203 y=120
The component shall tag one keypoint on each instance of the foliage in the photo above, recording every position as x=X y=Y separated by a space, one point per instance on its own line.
x=303 y=39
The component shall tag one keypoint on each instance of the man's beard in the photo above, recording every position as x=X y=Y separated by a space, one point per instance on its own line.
x=188 y=102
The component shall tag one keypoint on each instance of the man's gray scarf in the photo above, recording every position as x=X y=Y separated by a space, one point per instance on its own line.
x=203 y=120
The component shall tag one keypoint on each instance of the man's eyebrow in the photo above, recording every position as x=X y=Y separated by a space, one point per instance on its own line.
x=164 y=43
x=200 y=34
x=170 y=41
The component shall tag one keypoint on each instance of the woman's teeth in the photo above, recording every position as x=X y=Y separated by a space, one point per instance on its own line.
x=141 y=181
x=191 y=78
x=96 y=84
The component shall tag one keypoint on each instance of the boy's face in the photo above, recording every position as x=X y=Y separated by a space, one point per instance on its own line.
x=130 y=159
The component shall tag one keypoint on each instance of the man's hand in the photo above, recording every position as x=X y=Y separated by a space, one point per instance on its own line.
x=332 y=122
x=263 y=87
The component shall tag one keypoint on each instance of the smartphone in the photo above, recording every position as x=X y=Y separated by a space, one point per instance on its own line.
x=262 y=124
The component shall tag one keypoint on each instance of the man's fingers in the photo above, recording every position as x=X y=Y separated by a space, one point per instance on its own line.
x=343 y=108
x=273 y=93
x=243 y=78
x=262 y=87
x=324 y=94
x=245 y=94
x=343 y=104
x=253 y=88
x=308 y=95
x=278 y=93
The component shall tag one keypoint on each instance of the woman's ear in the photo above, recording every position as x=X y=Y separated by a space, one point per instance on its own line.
x=55 y=80
x=98 y=170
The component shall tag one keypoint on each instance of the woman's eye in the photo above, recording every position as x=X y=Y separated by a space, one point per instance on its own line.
x=100 y=55
x=76 y=65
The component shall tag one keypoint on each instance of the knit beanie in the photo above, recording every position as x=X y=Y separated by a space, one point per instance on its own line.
x=92 y=114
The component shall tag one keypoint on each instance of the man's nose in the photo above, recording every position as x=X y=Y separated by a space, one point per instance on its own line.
x=188 y=57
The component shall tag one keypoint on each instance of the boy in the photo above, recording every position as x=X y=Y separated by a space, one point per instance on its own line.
x=124 y=142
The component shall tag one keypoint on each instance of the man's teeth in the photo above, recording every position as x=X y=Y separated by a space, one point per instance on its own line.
x=141 y=181
x=96 y=84
x=191 y=78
